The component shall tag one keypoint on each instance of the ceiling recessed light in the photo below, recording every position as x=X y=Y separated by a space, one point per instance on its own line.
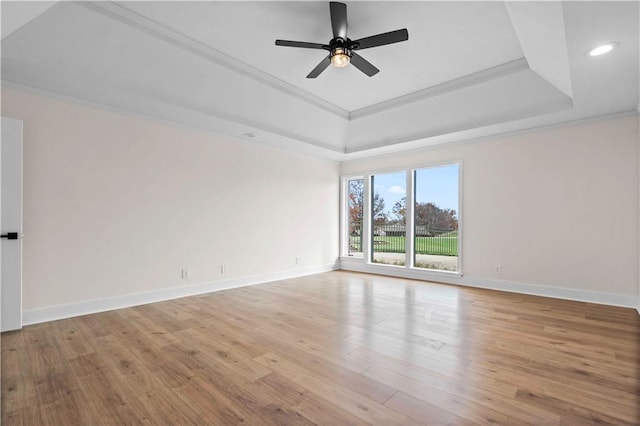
x=249 y=135
x=602 y=49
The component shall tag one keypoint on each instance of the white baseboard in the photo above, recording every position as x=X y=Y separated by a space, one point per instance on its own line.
x=612 y=299
x=52 y=313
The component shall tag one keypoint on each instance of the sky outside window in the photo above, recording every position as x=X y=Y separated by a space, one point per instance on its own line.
x=439 y=186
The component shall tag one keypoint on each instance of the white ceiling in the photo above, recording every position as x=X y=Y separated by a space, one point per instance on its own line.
x=469 y=69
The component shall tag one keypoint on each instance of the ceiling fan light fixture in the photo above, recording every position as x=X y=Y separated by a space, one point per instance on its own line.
x=340 y=57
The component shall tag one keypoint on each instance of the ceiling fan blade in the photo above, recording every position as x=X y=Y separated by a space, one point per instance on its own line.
x=302 y=44
x=382 y=39
x=320 y=67
x=338 y=19
x=363 y=65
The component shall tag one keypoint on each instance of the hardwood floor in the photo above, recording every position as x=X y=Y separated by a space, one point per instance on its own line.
x=335 y=348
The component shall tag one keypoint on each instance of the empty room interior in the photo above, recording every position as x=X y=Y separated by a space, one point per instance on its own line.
x=331 y=213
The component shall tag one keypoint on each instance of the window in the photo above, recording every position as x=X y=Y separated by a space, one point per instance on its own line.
x=435 y=218
x=388 y=224
x=407 y=219
x=355 y=215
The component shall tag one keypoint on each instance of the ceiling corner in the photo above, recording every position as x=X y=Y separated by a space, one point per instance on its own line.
x=15 y=14
x=540 y=29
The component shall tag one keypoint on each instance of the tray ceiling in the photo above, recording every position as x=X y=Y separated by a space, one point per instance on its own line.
x=469 y=69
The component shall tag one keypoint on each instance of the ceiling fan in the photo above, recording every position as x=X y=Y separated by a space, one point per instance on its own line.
x=342 y=49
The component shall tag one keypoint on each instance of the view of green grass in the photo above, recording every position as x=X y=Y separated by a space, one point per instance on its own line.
x=446 y=245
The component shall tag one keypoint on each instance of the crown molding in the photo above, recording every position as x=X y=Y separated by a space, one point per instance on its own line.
x=424 y=145
x=149 y=26
x=563 y=104
x=340 y=155
x=323 y=150
x=468 y=80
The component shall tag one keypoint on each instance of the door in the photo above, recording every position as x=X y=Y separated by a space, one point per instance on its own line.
x=11 y=224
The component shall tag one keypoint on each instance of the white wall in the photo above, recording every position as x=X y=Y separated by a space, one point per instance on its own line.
x=556 y=208
x=116 y=205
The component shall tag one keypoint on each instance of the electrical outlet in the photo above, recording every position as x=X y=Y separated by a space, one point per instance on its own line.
x=498 y=269
x=297 y=260
x=223 y=269
x=184 y=274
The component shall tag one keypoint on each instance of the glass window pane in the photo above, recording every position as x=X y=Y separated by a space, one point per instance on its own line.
x=355 y=205
x=388 y=218
x=436 y=218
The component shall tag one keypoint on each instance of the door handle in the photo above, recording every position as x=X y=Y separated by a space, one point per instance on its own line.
x=10 y=236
